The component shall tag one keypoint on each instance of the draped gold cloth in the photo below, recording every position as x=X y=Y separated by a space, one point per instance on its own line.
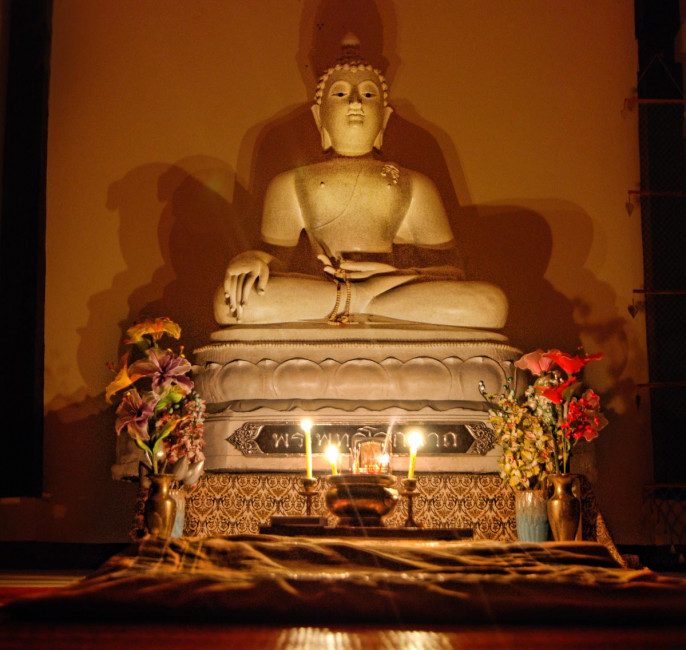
x=268 y=579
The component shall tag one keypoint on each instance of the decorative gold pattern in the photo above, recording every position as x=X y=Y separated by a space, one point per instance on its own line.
x=243 y=439
x=484 y=438
x=230 y=504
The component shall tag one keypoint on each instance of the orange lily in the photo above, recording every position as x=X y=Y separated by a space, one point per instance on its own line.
x=154 y=328
x=122 y=380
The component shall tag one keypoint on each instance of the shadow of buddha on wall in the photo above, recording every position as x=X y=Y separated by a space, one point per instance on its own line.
x=198 y=234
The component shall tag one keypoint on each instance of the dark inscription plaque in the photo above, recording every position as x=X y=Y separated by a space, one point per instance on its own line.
x=286 y=439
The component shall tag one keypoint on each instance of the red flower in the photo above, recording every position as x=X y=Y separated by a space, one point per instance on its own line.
x=588 y=432
x=590 y=400
x=582 y=419
x=555 y=393
x=571 y=365
x=537 y=362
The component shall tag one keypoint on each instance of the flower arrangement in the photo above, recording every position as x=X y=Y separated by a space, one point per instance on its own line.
x=526 y=443
x=538 y=431
x=160 y=409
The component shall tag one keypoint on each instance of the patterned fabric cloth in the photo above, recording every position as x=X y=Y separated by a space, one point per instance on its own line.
x=230 y=504
x=283 y=580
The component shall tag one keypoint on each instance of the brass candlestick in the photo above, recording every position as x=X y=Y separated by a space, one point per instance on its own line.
x=409 y=489
x=308 y=492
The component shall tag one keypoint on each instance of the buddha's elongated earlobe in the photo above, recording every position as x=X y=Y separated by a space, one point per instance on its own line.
x=378 y=142
x=326 y=138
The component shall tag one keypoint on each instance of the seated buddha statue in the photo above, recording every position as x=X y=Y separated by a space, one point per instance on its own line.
x=355 y=208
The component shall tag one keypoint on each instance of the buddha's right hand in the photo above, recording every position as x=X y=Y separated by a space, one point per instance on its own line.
x=246 y=271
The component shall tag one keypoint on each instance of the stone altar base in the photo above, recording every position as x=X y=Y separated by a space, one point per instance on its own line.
x=352 y=381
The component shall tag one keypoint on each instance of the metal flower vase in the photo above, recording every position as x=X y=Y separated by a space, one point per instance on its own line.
x=531 y=515
x=160 y=507
x=564 y=506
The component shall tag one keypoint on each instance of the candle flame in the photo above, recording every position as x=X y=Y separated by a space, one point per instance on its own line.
x=306 y=425
x=415 y=440
x=331 y=453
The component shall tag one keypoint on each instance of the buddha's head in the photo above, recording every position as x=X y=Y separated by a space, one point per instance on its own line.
x=351 y=109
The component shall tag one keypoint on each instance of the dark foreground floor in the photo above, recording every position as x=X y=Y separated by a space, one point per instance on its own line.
x=173 y=637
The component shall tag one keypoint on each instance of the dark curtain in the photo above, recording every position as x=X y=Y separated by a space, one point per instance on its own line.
x=22 y=244
x=663 y=208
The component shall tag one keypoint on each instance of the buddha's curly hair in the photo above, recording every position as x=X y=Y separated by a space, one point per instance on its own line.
x=350 y=59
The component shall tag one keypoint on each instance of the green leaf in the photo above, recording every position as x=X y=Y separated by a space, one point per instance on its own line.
x=174 y=395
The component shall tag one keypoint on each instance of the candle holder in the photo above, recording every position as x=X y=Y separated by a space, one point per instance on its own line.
x=308 y=492
x=409 y=489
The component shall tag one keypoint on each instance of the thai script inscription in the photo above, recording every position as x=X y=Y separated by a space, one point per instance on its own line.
x=289 y=439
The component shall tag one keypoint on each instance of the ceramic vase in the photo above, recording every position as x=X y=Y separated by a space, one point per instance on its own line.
x=160 y=507
x=180 y=518
x=564 y=507
x=531 y=515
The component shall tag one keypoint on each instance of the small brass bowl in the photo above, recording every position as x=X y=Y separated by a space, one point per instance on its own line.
x=361 y=499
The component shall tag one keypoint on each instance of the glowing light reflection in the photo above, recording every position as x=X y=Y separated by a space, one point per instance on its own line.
x=313 y=638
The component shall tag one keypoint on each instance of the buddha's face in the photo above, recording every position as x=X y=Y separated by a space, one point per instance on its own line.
x=352 y=114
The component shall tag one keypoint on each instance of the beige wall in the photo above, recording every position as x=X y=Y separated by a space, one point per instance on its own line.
x=167 y=119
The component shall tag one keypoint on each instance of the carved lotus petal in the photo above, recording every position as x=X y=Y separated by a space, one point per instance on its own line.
x=477 y=369
x=361 y=379
x=423 y=378
x=245 y=380
x=298 y=378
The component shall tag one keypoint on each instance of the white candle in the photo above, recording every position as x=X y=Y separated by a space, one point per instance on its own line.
x=332 y=454
x=306 y=426
x=414 y=440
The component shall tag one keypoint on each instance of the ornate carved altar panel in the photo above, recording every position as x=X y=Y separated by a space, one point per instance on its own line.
x=229 y=504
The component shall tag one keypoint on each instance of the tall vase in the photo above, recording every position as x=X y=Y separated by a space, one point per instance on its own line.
x=564 y=507
x=160 y=508
x=531 y=515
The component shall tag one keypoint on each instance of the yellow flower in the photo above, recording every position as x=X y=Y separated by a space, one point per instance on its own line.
x=122 y=379
x=154 y=328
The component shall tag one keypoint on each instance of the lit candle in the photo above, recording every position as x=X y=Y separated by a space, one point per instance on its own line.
x=332 y=454
x=306 y=426
x=414 y=440
x=384 y=463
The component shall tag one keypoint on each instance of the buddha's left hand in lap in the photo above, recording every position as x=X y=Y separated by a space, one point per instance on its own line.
x=355 y=270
